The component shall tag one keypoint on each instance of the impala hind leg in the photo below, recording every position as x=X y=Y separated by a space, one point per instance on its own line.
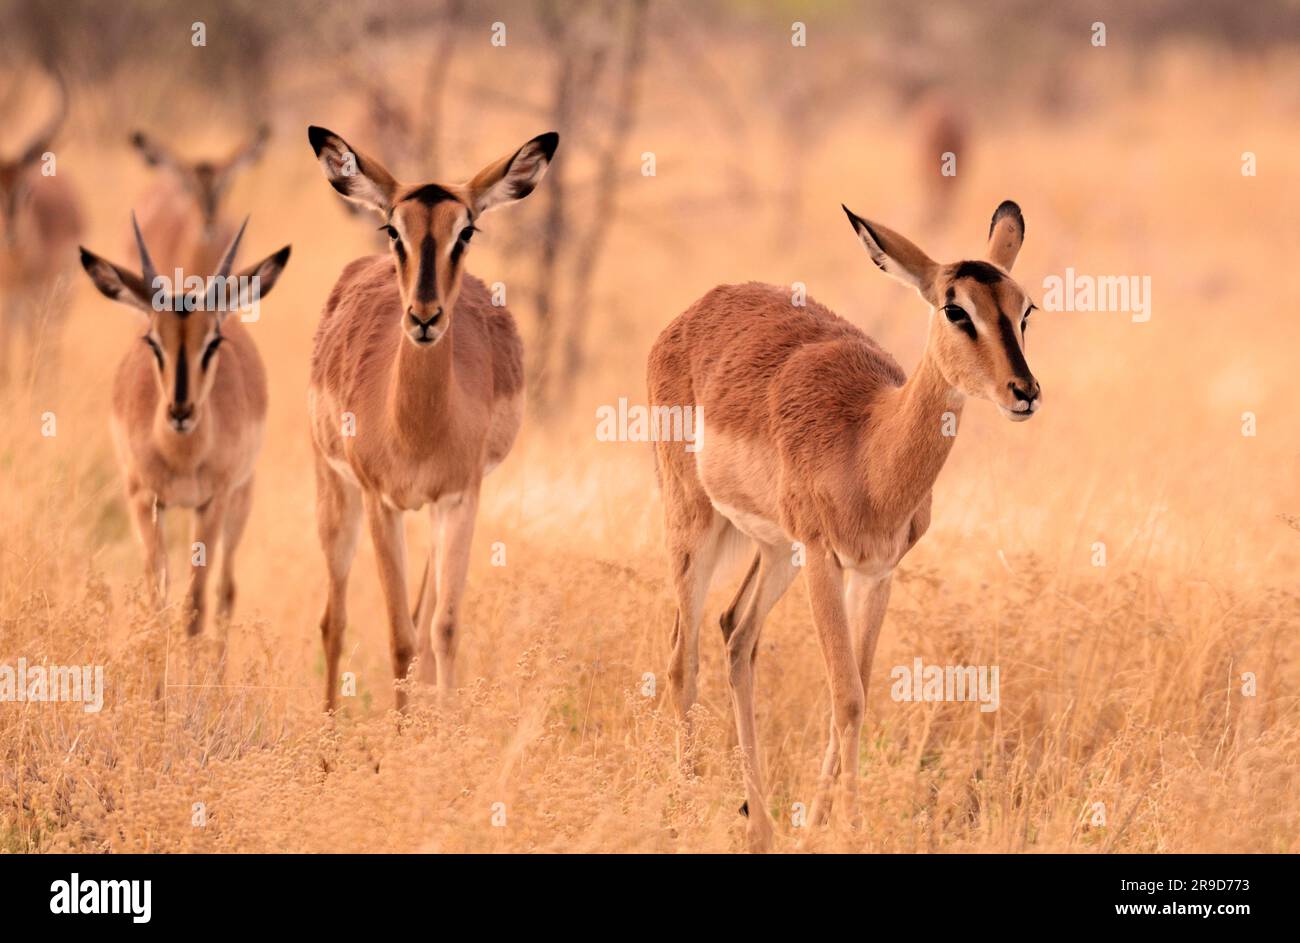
x=338 y=523
x=766 y=583
x=866 y=599
x=693 y=554
x=390 y=554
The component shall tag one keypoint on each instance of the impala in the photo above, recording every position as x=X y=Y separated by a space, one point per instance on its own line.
x=40 y=222
x=183 y=215
x=416 y=393
x=943 y=136
x=188 y=409
x=820 y=451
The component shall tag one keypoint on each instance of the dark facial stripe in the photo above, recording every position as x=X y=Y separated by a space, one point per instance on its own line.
x=426 y=288
x=1019 y=369
x=182 y=376
x=211 y=351
x=982 y=272
x=429 y=194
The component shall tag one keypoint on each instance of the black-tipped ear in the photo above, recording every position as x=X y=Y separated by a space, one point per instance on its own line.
x=893 y=254
x=1006 y=234
x=267 y=272
x=357 y=176
x=514 y=176
x=318 y=136
x=548 y=142
x=115 y=282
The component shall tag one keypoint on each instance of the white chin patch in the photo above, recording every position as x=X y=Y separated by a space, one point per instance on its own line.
x=1019 y=415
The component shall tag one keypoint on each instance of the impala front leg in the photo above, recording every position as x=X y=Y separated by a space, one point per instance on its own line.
x=455 y=535
x=208 y=520
x=390 y=554
x=867 y=598
x=826 y=598
x=147 y=514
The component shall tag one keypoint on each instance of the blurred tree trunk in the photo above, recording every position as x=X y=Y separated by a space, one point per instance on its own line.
x=555 y=221
x=429 y=141
x=582 y=35
x=605 y=207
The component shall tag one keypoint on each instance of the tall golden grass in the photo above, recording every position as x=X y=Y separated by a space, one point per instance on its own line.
x=1121 y=685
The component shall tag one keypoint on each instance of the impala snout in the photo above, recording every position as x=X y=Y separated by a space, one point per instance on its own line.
x=181 y=417
x=1023 y=398
x=425 y=324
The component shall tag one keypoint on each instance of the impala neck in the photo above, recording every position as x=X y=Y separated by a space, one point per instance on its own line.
x=421 y=393
x=908 y=440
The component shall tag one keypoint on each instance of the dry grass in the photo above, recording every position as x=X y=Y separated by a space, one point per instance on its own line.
x=1120 y=685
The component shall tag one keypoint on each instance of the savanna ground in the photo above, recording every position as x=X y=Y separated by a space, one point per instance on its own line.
x=1121 y=685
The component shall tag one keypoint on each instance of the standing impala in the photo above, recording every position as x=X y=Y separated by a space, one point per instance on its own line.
x=40 y=222
x=819 y=449
x=416 y=393
x=183 y=215
x=188 y=409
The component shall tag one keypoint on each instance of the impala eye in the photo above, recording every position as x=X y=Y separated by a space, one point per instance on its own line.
x=210 y=350
x=392 y=232
x=157 y=351
x=960 y=318
x=467 y=233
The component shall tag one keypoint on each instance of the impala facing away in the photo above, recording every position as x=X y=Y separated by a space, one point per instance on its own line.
x=816 y=438
x=182 y=215
x=188 y=409
x=416 y=393
x=40 y=222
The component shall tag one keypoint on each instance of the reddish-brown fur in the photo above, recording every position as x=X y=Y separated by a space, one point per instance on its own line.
x=416 y=393
x=205 y=460
x=182 y=214
x=815 y=446
x=40 y=223
x=355 y=362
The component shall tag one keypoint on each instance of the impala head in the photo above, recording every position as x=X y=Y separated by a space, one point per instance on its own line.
x=978 y=313
x=183 y=329
x=430 y=224
x=15 y=173
x=207 y=181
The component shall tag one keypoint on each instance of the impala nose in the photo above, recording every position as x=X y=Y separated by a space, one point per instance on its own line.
x=1025 y=394
x=1027 y=398
x=180 y=415
x=421 y=328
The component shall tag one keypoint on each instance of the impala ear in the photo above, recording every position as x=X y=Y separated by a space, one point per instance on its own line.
x=267 y=272
x=513 y=177
x=154 y=154
x=360 y=178
x=1006 y=234
x=895 y=255
x=116 y=283
x=252 y=149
